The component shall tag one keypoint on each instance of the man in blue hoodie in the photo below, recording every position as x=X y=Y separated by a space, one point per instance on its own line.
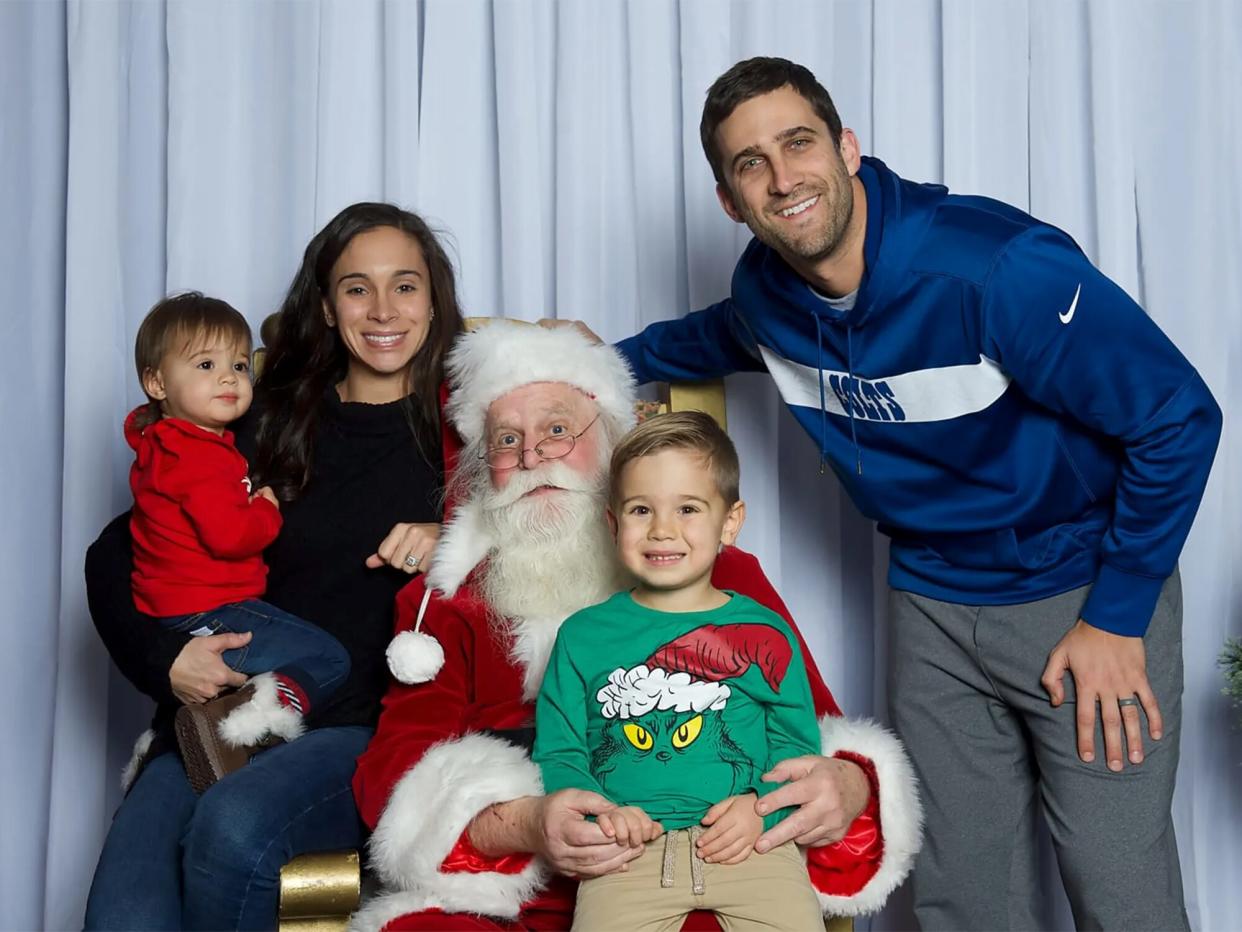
x=1035 y=448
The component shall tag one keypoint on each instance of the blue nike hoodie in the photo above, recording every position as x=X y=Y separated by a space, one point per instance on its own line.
x=1008 y=415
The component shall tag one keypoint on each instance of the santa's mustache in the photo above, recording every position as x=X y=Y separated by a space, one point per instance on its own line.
x=556 y=475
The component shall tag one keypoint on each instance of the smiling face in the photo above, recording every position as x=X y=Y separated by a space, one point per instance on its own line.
x=205 y=382
x=380 y=301
x=785 y=179
x=671 y=520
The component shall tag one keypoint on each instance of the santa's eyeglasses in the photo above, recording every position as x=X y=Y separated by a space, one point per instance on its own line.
x=549 y=448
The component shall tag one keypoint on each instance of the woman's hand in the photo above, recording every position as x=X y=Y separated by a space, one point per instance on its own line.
x=408 y=547
x=198 y=674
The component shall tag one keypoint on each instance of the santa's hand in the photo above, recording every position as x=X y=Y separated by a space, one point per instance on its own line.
x=574 y=846
x=408 y=547
x=830 y=794
x=629 y=825
x=734 y=826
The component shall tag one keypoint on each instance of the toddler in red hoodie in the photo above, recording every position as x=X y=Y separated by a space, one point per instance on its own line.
x=199 y=532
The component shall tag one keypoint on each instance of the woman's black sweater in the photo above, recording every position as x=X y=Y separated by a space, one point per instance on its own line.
x=367 y=473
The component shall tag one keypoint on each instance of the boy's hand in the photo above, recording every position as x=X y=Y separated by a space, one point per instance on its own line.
x=629 y=825
x=734 y=829
x=266 y=492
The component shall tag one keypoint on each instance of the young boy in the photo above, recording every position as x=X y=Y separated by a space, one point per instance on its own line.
x=199 y=532
x=673 y=698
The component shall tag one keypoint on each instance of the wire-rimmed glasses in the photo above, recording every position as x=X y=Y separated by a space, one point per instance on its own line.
x=549 y=448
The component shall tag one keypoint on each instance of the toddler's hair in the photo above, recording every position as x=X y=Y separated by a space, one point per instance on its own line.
x=187 y=319
x=683 y=430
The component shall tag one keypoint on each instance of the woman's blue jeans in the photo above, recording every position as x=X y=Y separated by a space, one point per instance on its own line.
x=173 y=860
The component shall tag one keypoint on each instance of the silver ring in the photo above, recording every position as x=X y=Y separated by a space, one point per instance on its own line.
x=1130 y=701
x=412 y=561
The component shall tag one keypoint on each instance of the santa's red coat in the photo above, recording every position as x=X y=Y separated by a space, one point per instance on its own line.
x=436 y=761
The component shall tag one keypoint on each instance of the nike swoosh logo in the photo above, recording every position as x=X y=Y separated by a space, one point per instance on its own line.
x=1069 y=315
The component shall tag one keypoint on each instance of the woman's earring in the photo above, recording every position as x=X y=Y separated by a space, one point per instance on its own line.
x=431 y=315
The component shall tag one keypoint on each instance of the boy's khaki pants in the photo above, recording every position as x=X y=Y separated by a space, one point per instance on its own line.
x=766 y=891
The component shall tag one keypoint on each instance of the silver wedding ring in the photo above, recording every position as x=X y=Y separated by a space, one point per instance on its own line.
x=412 y=561
x=1130 y=701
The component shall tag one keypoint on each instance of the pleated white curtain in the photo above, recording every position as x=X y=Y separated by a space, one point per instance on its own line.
x=147 y=147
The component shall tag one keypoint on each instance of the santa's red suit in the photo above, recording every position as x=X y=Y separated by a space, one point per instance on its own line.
x=450 y=746
x=437 y=760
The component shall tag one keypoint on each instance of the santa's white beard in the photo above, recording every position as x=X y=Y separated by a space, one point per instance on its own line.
x=554 y=555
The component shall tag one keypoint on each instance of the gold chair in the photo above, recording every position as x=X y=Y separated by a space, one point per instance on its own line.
x=319 y=891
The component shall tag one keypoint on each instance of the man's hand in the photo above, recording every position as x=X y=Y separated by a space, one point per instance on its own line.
x=408 y=547
x=557 y=829
x=630 y=826
x=830 y=793
x=734 y=829
x=198 y=674
x=549 y=324
x=1111 y=669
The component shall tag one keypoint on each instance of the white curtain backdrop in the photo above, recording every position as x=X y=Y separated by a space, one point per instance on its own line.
x=147 y=147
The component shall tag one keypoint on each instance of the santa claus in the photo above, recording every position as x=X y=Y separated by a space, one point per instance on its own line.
x=463 y=836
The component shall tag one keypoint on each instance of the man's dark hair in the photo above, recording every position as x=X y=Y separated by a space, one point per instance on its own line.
x=754 y=77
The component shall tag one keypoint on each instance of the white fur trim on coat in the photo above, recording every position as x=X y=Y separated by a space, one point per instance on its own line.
x=130 y=772
x=463 y=545
x=262 y=716
x=492 y=361
x=901 y=812
x=426 y=814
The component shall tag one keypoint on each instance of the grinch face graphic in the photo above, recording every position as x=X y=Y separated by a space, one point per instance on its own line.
x=666 y=723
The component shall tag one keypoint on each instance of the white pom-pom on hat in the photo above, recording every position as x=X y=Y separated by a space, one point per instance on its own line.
x=415 y=657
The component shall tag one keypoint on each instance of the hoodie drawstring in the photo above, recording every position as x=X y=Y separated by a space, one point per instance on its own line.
x=823 y=398
x=849 y=367
x=846 y=396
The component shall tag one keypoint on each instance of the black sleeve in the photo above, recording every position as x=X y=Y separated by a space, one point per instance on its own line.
x=142 y=650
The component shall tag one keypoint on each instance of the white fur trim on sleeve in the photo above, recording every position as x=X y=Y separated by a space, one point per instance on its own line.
x=901 y=812
x=429 y=809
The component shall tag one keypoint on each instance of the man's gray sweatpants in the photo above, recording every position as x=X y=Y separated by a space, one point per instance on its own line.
x=986 y=743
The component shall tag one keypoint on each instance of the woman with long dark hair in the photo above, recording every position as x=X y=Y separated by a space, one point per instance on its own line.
x=346 y=429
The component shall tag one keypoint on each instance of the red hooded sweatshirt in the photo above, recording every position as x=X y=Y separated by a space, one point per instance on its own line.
x=198 y=538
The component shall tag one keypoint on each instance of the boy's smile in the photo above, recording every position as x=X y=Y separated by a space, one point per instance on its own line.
x=670 y=523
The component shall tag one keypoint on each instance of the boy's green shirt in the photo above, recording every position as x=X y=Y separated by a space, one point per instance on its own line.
x=673 y=712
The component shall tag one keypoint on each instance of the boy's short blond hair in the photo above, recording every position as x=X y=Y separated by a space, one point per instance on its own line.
x=693 y=431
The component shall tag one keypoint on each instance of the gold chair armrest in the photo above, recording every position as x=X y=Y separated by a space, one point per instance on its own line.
x=319 y=891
